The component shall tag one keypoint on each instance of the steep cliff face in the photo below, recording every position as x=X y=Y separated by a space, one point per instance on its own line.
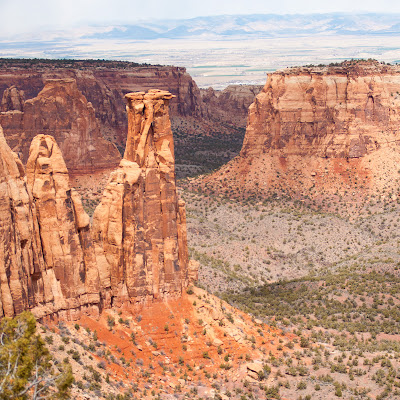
x=21 y=260
x=46 y=260
x=13 y=99
x=104 y=84
x=139 y=228
x=321 y=130
x=71 y=275
x=61 y=110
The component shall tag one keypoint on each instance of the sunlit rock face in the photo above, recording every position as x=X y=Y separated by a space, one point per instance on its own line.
x=62 y=111
x=46 y=260
x=319 y=130
x=51 y=260
x=140 y=225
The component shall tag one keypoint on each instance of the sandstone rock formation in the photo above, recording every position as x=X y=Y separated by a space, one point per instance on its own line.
x=139 y=228
x=20 y=250
x=321 y=130
x=13 y=99
x=47 y=262
x=61 y=110
x=50 y=263
x=104 y=84
x=71 y=274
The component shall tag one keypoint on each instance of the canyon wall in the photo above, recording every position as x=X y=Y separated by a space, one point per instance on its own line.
x=231 y=104
x=320 y=130
x=211 y=122
x=62 y=111
x=52 y=262
x=104 y=85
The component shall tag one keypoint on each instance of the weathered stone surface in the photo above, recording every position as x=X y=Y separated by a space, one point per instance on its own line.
x=139 y=227
x=328 y=128
x=105 y=86
x=47 y=261
x=13 y=100
x=71 y=277
x=61 y=110
x=21 y=261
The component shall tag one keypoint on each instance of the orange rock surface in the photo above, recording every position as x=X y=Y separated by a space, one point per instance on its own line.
x=49 y=262
x=104 y=84
x=320 y=130
x=139 y=228
x=62 y=111
x=46 y=260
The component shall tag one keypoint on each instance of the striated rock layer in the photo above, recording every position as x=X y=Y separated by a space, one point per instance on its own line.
x=61 y=110
x=139 y=228
x=320 y=130
x=104 y=84
x=47 y=262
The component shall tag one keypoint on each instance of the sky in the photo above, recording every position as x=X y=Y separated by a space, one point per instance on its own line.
x=23 y=16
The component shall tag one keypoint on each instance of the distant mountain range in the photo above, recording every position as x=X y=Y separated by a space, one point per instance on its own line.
x=258 y=25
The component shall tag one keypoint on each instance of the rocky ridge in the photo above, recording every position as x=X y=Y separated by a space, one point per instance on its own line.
x=48 y=258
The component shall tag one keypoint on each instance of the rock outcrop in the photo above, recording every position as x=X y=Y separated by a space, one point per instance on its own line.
x=320 y=130
x=139 y=228
x=20 y=250
x=62 y=111
x=104 y=84
x=13 y=100
x=71 y=276
x=50 y=260
x=46 y=259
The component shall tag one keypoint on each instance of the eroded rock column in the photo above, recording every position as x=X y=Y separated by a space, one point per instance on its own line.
x=139 y=228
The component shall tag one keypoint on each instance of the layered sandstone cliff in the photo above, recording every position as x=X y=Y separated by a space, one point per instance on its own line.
x=104 y=84
x=139 y=228
x=12 y=100
x=62 y=111
x=231 y=104
x=321 y=130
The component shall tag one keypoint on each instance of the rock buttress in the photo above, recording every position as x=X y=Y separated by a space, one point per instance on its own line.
x=139 y=228
x=47 y=261
x=21 y=261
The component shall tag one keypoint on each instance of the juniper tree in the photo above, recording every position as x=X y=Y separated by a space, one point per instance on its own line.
x=26 y=367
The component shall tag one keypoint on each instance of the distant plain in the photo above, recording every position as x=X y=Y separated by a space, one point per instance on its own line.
x=222 y=50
